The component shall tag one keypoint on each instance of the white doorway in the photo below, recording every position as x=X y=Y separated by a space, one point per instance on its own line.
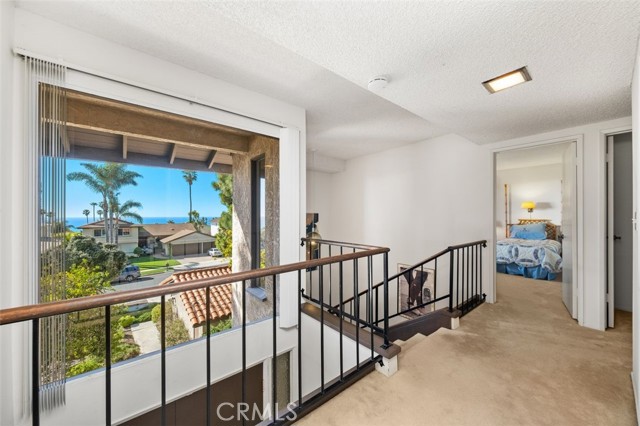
x=549 y=175
x=619 y=225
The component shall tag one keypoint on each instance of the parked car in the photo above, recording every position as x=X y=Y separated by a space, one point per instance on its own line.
x=215 y=252
x=147 y=250
x=129 y=273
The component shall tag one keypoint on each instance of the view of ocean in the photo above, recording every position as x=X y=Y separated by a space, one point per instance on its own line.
x=79 y=221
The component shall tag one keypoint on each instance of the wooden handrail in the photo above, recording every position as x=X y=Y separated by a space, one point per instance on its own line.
x=29 y=312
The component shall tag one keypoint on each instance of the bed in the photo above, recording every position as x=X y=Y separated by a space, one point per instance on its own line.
x=531 y=250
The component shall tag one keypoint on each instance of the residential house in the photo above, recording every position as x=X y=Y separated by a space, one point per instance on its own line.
x=127 y=233
x=372 y=115
x=152 y=234
x=187 y=242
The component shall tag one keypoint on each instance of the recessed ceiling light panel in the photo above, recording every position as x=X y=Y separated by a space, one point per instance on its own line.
x=510 y=79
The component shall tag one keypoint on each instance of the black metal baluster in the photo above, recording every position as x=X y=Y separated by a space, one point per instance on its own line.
x=163 y=362
x=244 y=345
x=107 y=359
x=450 y=280
x=385 y=281
x=320 y=277
x=340 y=289
x=398 y=307
x=299 y=340
x=35 y=372
x=422 y=289
x=208 y=355
x=468 y=278
x=356 y=300
x=457 y=278
x=370 y=300
x=483 y=246
x=435 y=281
x=331 y=279
x=274 y=375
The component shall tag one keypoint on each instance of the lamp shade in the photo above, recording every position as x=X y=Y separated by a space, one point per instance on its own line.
x=529 y=205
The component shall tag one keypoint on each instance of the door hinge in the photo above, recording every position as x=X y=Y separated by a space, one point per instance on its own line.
x=634 y=220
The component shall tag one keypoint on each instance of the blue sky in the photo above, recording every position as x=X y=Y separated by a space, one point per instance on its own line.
x=162 y=192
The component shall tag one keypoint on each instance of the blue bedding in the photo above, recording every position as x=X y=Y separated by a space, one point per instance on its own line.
x=539 y=259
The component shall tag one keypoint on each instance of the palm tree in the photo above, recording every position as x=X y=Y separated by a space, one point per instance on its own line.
x=190 y=177
x=99 y=214
x=124 y=210
x=86 y=212
x=106 y=179
x=94 y=204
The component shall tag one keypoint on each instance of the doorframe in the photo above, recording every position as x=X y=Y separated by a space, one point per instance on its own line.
x=604 y=135
x=578 y=246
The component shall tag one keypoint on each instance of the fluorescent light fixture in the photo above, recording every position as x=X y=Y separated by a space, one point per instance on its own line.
x=510 y=79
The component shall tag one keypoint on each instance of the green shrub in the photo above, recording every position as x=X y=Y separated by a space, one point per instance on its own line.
x=156 y=313
x=126 y=321
x=221 y=325
x=90 y=363
x=145 y=316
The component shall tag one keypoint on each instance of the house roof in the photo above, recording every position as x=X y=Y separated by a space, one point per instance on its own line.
x=100 y=224
x=195 y=301
x=184 y=233
x=163 y=229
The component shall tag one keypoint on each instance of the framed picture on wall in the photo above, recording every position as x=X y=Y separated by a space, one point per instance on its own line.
x=416 y=287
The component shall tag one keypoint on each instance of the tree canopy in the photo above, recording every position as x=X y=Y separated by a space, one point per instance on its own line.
x=224 y=186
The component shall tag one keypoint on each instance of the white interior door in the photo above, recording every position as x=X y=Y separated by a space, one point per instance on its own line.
x=622 y=225
x=610 y=233
x=569 y=230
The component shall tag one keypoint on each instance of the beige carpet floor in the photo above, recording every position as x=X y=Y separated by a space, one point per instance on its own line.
x=520 y=361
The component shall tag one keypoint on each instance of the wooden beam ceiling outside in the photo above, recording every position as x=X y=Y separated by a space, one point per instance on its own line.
x=174 y=152
x=125 y=140
x=212 y=159
x=83 y=112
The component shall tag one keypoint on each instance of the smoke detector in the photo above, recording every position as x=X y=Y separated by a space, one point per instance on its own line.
x=378 y=83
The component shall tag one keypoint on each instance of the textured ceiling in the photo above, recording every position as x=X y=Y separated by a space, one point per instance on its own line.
x=320 y=55
x=343 y=120
x=580 y=54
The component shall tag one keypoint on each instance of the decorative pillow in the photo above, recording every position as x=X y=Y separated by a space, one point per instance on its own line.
x=533 y=231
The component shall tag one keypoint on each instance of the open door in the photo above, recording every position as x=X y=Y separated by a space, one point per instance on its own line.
x=619 y=227
x=610 y=233
x=569 y=230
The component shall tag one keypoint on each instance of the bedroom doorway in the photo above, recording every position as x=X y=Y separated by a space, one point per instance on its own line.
x=619 y=227
x=536 y=219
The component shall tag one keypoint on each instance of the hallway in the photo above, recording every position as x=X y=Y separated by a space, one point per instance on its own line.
x=520 y=361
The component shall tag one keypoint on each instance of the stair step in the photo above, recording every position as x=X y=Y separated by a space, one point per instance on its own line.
x=408 y=344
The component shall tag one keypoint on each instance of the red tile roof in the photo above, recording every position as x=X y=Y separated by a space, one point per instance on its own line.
x=195 y=301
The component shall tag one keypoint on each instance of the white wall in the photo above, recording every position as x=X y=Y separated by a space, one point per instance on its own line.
x=592 y=137
x=319 y=199
x=416 y=200
x=541 y=184
x=92 y=55
x=136 y=384
x=635 y=92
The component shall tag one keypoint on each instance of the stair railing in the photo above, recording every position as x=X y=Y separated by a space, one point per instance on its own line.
x=464 y=286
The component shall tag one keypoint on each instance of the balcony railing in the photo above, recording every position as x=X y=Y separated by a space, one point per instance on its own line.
x=329 y=382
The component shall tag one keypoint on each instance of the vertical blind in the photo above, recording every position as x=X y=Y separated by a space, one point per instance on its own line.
x=47 y=145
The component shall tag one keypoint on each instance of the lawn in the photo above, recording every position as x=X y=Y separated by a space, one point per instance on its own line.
x=150 y=265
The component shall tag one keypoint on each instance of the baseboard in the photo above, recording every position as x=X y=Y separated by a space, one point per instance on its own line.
x=635 y=398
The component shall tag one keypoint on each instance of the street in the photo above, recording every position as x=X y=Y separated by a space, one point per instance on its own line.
x=154 y=280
